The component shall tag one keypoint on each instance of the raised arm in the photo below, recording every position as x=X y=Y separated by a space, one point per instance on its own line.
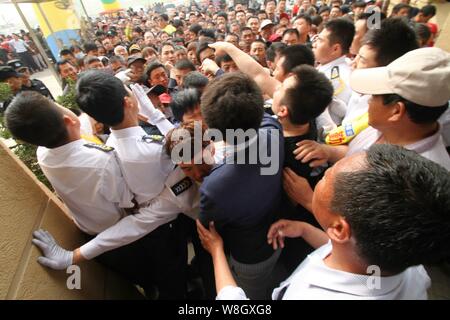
x=249 y=66
x=146 y=108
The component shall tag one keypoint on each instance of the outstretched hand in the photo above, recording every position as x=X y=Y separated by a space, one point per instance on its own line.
x=210 y=239
x=55 y=257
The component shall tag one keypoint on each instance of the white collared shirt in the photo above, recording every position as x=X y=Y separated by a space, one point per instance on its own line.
x=338 y=71
x=144 y=163
x=180 y=194
x=431 y=147
x=313 y=280
x=90 y=183
x=18 y=45
x=357 y=106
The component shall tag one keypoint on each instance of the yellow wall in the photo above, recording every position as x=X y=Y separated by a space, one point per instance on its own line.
x=26 y=205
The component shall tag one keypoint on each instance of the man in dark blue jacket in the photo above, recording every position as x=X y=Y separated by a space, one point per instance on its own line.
x=241 y=191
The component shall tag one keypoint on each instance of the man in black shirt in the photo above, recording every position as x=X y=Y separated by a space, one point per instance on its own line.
x=14 y=81
x=27 y=83
x=301 y=98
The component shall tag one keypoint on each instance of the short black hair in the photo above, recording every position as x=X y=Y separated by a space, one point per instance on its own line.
x=185 y=64
x=323 y=9
x=246 y=29
x=165 y=17
x=90 y=46
x=305 y=17
x=89 y=59
x=428 y=10
x=423 y=32
x=310 y=96
x=167 y=43
x=291 y=30
x=101 y=96
x=400 y=6
x=195 y=28
x=202 y=46
x=342 y=32
x=151 y=67
x=397 y=208
x=295 y=56
x=196 y=80
x=392 y=40
x=223 y=15
x=35 y=119
x=316 y=20
x=233 y=101
x=61 y=63
x=359 y=4
x=210 y=33
x=184 y=101
x=417 y=113
x=275 y=47
x=223 y=58
x=65 y=52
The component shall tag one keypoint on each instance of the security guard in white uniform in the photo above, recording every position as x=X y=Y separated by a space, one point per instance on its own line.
x=89 y=180
x=338 y=71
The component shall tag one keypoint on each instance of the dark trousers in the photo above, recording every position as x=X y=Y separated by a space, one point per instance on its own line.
x=158 y=259
x=27 y=60
x=202 y=257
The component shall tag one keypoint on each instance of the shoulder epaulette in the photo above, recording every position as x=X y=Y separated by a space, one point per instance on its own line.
x=101 y=147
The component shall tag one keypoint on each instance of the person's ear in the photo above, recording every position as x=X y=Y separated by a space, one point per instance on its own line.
x=336 y=48
x=339 y=230
x=127 y=103
x=397 y=111
x=282 y=112
x=69 y=122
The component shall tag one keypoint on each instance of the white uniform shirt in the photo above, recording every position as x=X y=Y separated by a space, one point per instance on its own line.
x=144 y=163
x=19 y=45
x=313 y=280
x=90 y=183
x=338 y=71
x=431 y=148
x=357 y=106
x=180 y=194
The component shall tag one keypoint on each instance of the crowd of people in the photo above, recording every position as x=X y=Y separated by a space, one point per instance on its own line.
x=345 y=104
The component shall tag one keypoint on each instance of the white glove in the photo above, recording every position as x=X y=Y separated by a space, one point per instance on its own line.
x=146 y=107
x=123 y=76
x=209 y=67
x=54 y=257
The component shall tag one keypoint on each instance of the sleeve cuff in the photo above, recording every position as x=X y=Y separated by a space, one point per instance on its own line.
x=231 y=293
x=90 y=250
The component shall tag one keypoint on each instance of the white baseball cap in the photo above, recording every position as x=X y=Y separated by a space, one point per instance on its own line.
x=421 y=76
x=265 y=23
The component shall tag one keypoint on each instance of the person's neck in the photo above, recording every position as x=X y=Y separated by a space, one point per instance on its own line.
x=331 y=60
x=344 y=258
x=293 y=130
x=408 y=133
x=303 y=38
x=128 y=122
x=73 y=135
